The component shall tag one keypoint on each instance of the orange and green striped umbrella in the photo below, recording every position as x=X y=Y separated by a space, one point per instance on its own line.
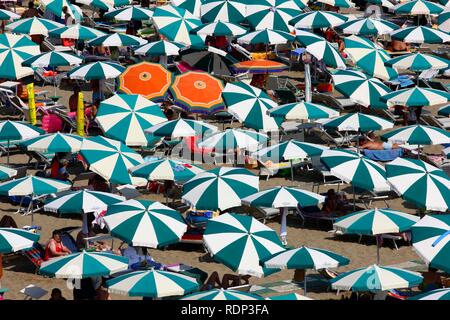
x=259 y=66
x=150 y=80
x=198 y=92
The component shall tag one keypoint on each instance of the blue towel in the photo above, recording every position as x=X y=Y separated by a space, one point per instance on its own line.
x=383 y=155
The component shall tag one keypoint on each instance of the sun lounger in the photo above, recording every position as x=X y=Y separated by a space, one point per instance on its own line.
x=265 y=214
x=35 y=255
x=314 y=213
x=327 y=179
x=383 y=155
x=269 y=170
x=329 y=100
x=334 y=137
x=439 y=122
x=43 y=159
x=370 y=196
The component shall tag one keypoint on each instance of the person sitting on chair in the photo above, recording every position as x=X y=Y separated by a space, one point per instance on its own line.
x=55 y=247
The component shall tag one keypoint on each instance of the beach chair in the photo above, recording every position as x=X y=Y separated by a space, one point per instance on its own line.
x=369 y=197
x=42 y=159
x=35 y=254
x=263 y=214
x=334 y=137
x=40 y=77
x=55 y=44
x=271 y=169
x=326 y=178
x=69 y=124
x=331 y=101
x=435 y=121
x=314 y=213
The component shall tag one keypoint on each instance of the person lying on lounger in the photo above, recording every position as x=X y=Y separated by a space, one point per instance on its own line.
x=378 y=145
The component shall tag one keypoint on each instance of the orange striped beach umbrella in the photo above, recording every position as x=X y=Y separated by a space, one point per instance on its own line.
x=150 y=80
x=259 y=66
x=198 y=92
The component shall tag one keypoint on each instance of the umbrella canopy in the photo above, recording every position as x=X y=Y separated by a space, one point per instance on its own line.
x=16 y=130
x=82 y=201
x=56 y=7
x=176 y=23
x=369 y=56
x=415 y=7
x=357 y=122
x=438 y=294
x=361 y=88
x=241 y=243
x=306 y=258
x=303 y=111
x=96 y=70
x=106 y=5
x=117 y=40
x=53 y=59
x=418 y=135
x=338 y=3
x=136 y=13
x=111 y=159
x=222 y=294
x=259 y=66
x=152 y=283
x=166 y=169
x=6 y=15
x=223 y=10
x=14 y=49
x=318 y=19
x=250 y=105
x=219 y=188
x=320 y=48
x=384 y=3
x=84 y=264
x=444 y=21
x=266 y=36
x=273 y=14
x=32 y=185
x=209 y=59
x=376 y=278
x=375 y=221
x=198 y=92
x=33 y=26
x=418 y=62
x=234 y=139
x=430 y=238
x=159 y=48
x=13 y=240
x=7 y=173
x=356 y=169
x=145 y=223
x=289 y=296
x=181 y=128
x=192 y=6
x=283 y=197
x=420 y=183
x=444 y=111
x=420 y=34
x=54 y=142
x=416 y=97
x=150 y=80
x=220 y=28
x=76 y=32
x=289 y=150
x=368 y=27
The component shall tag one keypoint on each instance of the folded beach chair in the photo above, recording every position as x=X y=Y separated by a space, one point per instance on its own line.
x=35 y=255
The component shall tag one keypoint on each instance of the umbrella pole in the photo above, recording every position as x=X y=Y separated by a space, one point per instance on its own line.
x=378 y=248
x=30 y=206
x=292 y=172
x=283 y=231
x=354 y=198
x=7 y=153
x=304 y=284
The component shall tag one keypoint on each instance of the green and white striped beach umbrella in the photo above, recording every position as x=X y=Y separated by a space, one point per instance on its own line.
x=289 y=296
x=182 y=128
x=220 y=188
x=306 y=258
x=418 y=62
x=369 y=56
x=444 y=111
x=117 y=40
x=338 y=3
x=96 y=70
x=361 y=88
x=220 y=28
x=250 y=105
x=416 y=7
x=320 y=48
x=159 y=48
x=84 y=264
x=241 y=243
x=289 y=150
x=192 y=6
x=7 y=172
x=234 y=139
x=445 y=3
x=13 y=239
x=56 y=7
x=124 y=117
x=53 y=59
x=145 y=223
x=106 y=5
x=384 y=3
x=420 y=34
x=223 y=10
x=416 y=97
x=420 y=183
x=357 y=122
x=6 y=15
x=444 y=21
x=303 y=111
x=76 y=32
x=266 y=36
x=376 y=278
x=418 y=135
x=176 y=23
x=152 y=283
x=367 y=27
x=273 y=14
x=318 y=19
x=222 y=294
x=430 y=237
x=438 y=294
x=129 y=13
x=33 y=26
x=17 y=130
x=32 y=185
x=14 y=49
x=166 y=169
x=283 y=197
x=54 y=142
x=111 y=159
x=82 y=201
x=356 y=169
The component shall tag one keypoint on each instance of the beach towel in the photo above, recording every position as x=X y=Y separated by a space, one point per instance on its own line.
x=383 y=155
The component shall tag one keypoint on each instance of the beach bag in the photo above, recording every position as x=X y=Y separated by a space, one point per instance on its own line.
x=52 y=123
